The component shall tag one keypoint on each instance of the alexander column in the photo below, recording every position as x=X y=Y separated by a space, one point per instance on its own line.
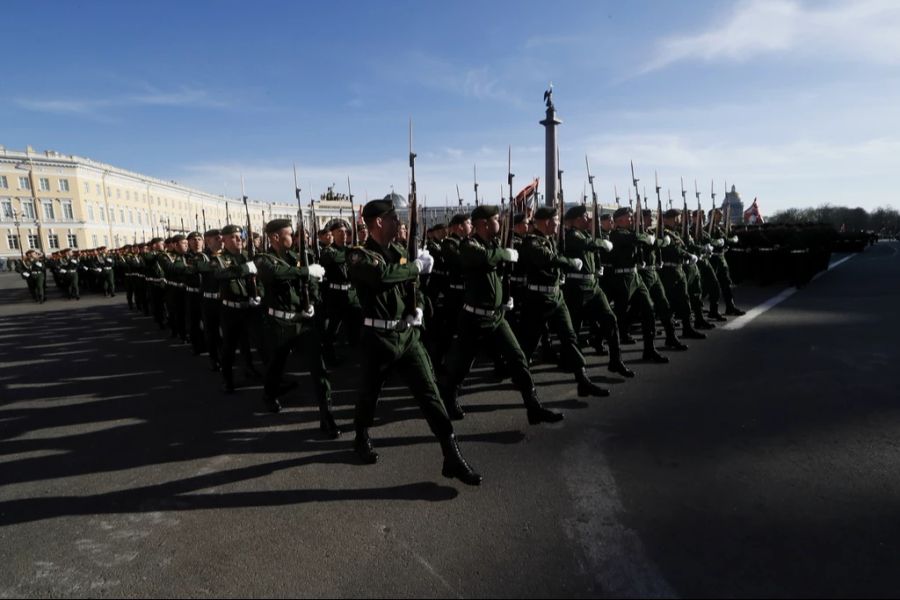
x=550 y=155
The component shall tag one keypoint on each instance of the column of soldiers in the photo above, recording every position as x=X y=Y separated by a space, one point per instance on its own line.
x=428 y=316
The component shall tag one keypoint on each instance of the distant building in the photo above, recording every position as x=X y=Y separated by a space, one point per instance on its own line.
x=733 y=206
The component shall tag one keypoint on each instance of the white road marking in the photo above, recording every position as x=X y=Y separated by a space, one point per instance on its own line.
x=756 y=311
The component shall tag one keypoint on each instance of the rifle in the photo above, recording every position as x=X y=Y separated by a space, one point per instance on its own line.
x=712 y=193
x=507 y=239
x=562 y=206
x=196 y=221
x=182 y=225
x=685 y=217
x=251 y=250
x=659 y=223
x=616 y=192
x=203 y=210
x=475 y=178
x=638 y=212
x=458 y=197
x=699 y=226
x=595 y=225
x=412 y=295
x=301 y=245
x=354 y=237
x=227 y=216
x=314 y=231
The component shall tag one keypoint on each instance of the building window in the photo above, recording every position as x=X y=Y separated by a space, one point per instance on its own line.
x=90 y=212
x=87 y=187
x=139 y=218
x=112 y=215
x=64 y=185
x=105 y=240
x=118 y=193
x=12 y=241
x=4 y=184
x=24 y=184
x=33 y=241
x=94 y=240
x=27 y=208
x=72 y=240
x=121 y=215
x=6 y=204
x=54 y=241
x=45 y=184
x=131 y=216
x=102 y=214
x=48 y=211
x=68 y=213
x=98 y=189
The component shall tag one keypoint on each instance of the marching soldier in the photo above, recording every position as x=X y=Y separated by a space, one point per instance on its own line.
x=390 y=338
x=649 y=271
x=68 y=274
x=584 y=298
x=720 y=265
x=340 y=300
x=156 y=282
x=673 y=257
x=482 y=317
x=454 y=286
x=211 y=311
x=709 y=282
x=626 y=286
x=33 y=271
x=288 y=324
x=192 y=277
x=543 y=299
x=103 y=266
x=172 y=264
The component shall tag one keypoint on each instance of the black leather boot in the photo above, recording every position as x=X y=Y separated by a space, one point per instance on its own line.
x=536 y=412
x=586 y=387
x=326 y=420
x=272 y=404
x=692 y=334
x=732 y=310
x=714 y=314
x=615 y=360
x=651 y=355
x=455 y=466
x=449 y=395
x=363 y=447
x=227 y=381
x=674 y=343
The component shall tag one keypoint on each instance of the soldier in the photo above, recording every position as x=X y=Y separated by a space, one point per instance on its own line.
x=693 y=279
x=710 y=284
x=720 y=265
x=324 y=239
x=454 y=286
x=288 y=320
x=68 y=274
x=340 y=300
x=103 y=265
x=390 y=338
x=673 y=257
x=212 y=302
x=362 y=233
x=236 y=276
x=649 y=271
x=543 y=299
x=584 y=298
x=33 y=271
x=155 y=282
x=172 y=264
x=626 y=286
x=191 y=276
x=481 y=319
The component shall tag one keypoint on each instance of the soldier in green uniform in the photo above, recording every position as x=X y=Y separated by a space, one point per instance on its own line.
x=191 y=277
x=340 y=301
x=288 y=320
x=481 y=319
x=155 y=281
x=649 y=271
x=32 y=271
x=454 y=286
x=236 y=275
x=544 y=304
x=211 y=311
x=68 y=274
x=674 y=256
x=386 y=282
x=628 y=291
x=708 y=280
x=720 y=242
x=172 y=263
x=105 y=262
x=585 y=299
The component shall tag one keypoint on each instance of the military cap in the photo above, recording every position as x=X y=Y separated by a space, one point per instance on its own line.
x=168 y=240
x=276 y=225
x=545 y=212
x=338 y=224
x=361 y=225
x=230 y=229
x=101 y=248
x=459 y=219
x=575 y=212
x=178 y=238
x=671 y=213
x=519 y=218
x=439 y=226
x=155 y=240
x=646 y=212
x=606 y=217
x=622 y=211
x=484 y=211
x=212 y=233
x=194 y=234
x=377 y=208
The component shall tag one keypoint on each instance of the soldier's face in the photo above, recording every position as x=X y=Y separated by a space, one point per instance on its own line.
x=340 y=236
x=548 y=226
x=363 y=235
x=625 y=221
x=465 y=230
x=233 y=242
x=195 y=244
x=401 y=232
x=282 y=239
x=648 y=222
x=488 y=228
x=671 y=223
x=213 y=242
x=606 y=225
x=181 y=246
x=522 y=228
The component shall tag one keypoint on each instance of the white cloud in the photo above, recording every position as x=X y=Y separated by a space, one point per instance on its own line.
x=98 y=108
x=864 y=30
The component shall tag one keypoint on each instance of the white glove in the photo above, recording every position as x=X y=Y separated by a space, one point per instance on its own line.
x=510 y=304
x=109 y=260
x=416 y=319
x=62 y=271
x=720 y=242
x=693 y=258
x=606 y=245
x=249 y=268
x=309 y=314
x=578 y=264
x=708 y=248
x=255 y=301
x=651 y=238
x=316 y=272
x=39 y=265
x=733 y=239
x=512 y=255
x=668 y=240
x=424 y=262
x=26 y=274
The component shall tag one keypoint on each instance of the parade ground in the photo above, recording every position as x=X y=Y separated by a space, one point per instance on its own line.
x=761 y=462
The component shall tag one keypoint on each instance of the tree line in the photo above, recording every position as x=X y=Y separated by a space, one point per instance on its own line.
x=883 y=218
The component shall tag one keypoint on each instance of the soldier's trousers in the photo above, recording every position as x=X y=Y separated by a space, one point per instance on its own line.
x=175 y=306
x=675 y=284
x=385 y=351
x=130 y=285
x=235 y=335
x=709 y=283
x=284 y=338
x=631 y=297
x=662 y=308
x=723 y=275
x=212 y=317
x=157 y=296
x=343 y=316
x=542 y=311
x=71 y=282
x=194 y=315
x=473 y=333
x=592 y=306
x=109 y=282
x=453 y=302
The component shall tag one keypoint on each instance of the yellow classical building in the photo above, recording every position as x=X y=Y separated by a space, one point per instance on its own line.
x=50 y=201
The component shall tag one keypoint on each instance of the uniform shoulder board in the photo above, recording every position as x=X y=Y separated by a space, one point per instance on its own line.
x=535 y=241
x=359 y=255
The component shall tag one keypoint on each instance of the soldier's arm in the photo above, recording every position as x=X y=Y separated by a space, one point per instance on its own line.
x=273 y=270
x=370 y=272
x=476 y=256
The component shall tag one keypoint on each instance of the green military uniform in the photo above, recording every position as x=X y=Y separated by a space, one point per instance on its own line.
x=453 y=290
x=191 y=276
x=382 y=278
x=673 y=260
x=289 y=327
x=340 y=300
x=481 y=321
x=32 y=271
x=708 y=280
x=211 y=308
x=172 y=266
x=649 y=272
x=68 y=275
x=720 y=243
x=103 y=265
x=155 y=280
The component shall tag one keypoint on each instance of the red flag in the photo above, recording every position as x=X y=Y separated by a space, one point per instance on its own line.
x=752 y=215
x=527 y=193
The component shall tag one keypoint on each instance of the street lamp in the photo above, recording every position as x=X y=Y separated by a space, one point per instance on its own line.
x=15 y=216
x=29 y=166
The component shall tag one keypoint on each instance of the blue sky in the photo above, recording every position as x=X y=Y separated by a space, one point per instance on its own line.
x=795 y=102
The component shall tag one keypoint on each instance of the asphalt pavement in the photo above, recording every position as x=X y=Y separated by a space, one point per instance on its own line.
x=761 y=462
